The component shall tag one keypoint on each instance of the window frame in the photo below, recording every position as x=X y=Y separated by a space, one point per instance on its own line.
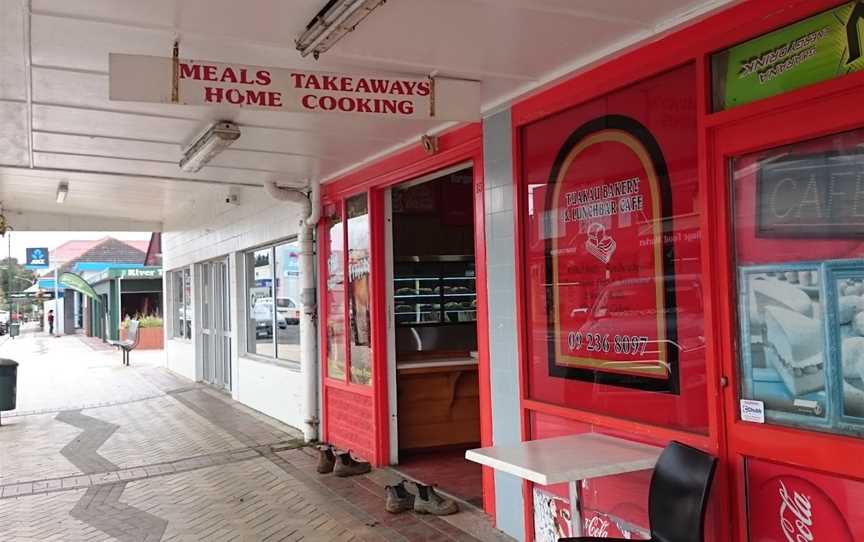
x=248 y=281
x=342 y=206
x=179 y=293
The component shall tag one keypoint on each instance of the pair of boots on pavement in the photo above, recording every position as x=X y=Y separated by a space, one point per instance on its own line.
x=427 y=501
x=341 y=464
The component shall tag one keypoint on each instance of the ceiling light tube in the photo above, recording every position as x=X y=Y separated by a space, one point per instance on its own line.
x=336 y=19
x=211 y=142
x=62 y=191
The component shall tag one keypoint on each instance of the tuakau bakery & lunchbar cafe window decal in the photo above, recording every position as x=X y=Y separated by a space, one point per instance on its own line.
x=605 y=230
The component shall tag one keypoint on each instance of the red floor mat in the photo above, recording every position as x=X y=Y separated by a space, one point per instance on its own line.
x=449 y=470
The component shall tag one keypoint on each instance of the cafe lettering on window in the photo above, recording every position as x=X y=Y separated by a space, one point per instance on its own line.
x=812 y=195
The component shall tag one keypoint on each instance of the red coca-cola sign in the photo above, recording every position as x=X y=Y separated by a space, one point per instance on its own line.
x=787 y=504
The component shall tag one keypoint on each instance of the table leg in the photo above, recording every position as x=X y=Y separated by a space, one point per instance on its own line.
x=575 y=508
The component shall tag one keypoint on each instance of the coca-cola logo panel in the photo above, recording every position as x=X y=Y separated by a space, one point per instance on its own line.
x=787 y=504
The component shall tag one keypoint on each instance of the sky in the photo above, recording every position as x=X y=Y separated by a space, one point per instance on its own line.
x=23 y=240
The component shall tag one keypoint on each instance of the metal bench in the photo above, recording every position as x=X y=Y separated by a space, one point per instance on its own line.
x=131 y=341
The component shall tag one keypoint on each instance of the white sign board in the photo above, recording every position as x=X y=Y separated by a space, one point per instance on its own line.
x=140 y=78
x=752 y=411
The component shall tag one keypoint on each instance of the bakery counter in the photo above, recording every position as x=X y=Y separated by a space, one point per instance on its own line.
x=438 y=401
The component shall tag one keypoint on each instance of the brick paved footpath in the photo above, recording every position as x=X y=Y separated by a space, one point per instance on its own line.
x=97 y=451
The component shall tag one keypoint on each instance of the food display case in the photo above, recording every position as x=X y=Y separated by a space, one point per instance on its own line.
x=434 y=291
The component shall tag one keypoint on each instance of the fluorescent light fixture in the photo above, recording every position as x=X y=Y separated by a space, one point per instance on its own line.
x=211 y=142
x=336 y=18
x=62 y=191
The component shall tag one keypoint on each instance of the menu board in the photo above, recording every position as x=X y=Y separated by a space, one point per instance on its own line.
x=610 y=250
x=812 y=195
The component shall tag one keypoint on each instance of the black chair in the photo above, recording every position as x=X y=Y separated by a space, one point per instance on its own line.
x=677 y=497
x=132 y=336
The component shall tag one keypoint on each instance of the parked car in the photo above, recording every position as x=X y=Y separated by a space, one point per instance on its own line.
x=287 y=311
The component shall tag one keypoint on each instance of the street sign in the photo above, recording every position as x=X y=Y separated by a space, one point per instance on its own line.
x=37 y=258
x=141 y=78
x=35 y=296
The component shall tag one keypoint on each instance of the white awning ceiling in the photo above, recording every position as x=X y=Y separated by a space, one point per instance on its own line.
x=120 y=158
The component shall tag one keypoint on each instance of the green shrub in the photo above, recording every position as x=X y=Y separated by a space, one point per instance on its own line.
x=145 y=320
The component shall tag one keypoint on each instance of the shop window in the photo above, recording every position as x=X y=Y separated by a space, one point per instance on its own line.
x=358 y=289
x=273 y=302
x=348 y=264
x=799 y=226
x=335 y=296
x=612 y=256
x=180 y=285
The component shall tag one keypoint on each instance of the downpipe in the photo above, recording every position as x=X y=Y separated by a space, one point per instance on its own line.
x=308 y=314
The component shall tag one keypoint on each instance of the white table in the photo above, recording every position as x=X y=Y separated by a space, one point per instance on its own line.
x=568 y=459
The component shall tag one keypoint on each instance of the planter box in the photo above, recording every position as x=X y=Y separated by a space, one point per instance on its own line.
x=151 y=338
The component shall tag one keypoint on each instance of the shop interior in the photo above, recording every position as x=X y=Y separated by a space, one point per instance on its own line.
x=435 y=313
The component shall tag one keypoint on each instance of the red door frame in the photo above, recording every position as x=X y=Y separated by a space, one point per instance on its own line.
x=694 y=44
x=462 y=144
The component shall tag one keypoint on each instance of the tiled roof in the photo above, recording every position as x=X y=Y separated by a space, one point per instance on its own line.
x=110 y=250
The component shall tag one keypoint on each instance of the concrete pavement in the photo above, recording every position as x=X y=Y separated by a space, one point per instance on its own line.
x=97 y=451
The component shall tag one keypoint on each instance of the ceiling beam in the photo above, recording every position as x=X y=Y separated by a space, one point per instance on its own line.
x=32 y=220
x=137 y=177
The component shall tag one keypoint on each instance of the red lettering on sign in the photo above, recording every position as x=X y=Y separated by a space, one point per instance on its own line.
x=345 y=84
x=209 y=73
x=330 y=82
x=424 y=88
x=308 y=102
x=213 y=94
x=410 y=85
x=327 y=103
x=190 y=71
x=378 y=86
x=298 y=80
x=312 y=82
x=228 y=76
x=396 y=88
x=244 y=97
x=347 y=104
x=362 y=86
x=363 y=105
x=262 y=77
x=389 y=106
x=406 y=107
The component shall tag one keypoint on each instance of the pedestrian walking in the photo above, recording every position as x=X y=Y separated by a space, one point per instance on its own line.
x=51 y=322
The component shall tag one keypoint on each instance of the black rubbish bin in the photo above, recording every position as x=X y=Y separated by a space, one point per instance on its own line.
x=8 y=384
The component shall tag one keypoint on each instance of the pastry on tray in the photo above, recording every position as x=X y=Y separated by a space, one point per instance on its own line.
x=794 y=349
x=774 y=293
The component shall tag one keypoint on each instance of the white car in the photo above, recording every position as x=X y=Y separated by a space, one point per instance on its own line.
x=287 y=311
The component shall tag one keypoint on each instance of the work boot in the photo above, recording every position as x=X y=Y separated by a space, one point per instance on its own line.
x=430 y=502
x=397 y=498
x=326 y=459
x=348 y=466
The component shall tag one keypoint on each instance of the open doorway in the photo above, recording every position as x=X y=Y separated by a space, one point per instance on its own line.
x=434 y=338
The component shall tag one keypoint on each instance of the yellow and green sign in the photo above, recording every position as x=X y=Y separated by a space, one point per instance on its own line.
x=825 y=46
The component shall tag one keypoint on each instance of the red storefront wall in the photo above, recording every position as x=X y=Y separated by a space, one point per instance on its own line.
x=763 y=458
x=355 y=415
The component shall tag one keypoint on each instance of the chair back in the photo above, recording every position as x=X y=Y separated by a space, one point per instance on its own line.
x=132 y=332
x=679 y=492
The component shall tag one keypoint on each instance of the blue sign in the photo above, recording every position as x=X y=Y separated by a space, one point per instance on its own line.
x=37 y=258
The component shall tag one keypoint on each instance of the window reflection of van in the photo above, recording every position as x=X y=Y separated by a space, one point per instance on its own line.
x=628 y=307
x=262 y=314
x=288 y=312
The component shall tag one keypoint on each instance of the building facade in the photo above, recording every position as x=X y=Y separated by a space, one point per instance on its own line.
x=662 y=246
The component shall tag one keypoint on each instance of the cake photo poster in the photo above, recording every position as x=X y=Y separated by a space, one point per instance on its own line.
x=802 y=345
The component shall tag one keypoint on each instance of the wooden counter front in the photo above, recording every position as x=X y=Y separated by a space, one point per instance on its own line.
x=439 y=403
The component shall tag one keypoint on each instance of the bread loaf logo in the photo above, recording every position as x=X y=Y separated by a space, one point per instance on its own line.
x=609 y=247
